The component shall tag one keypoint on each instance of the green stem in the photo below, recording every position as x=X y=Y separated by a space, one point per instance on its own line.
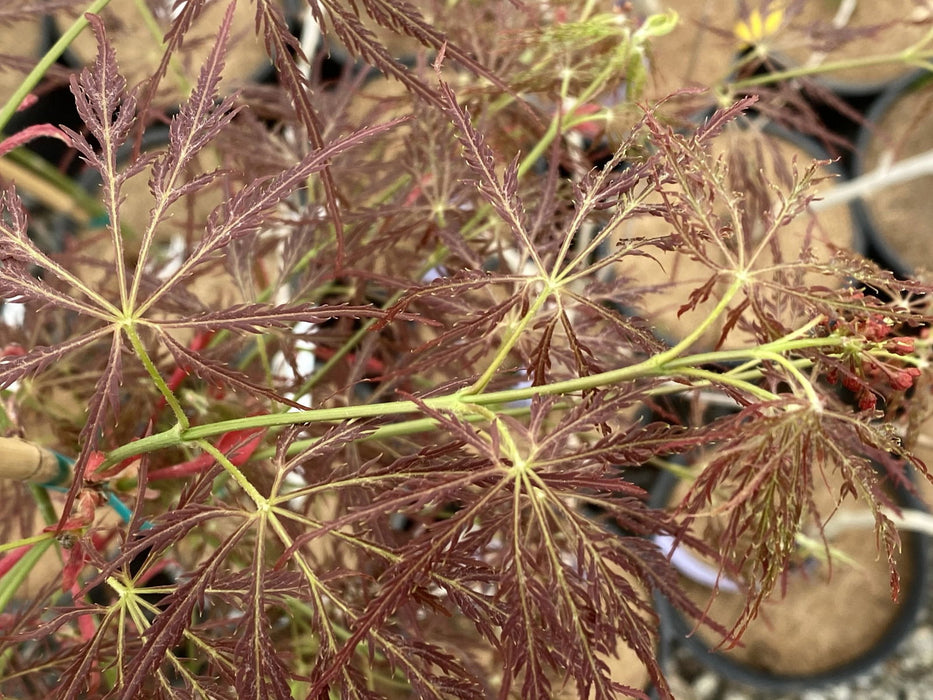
x=805 y=383
x=663 y=357
x=740 y=378
x=744 y=373
x=395 y=430
x=557 y=124
x=238 y=476
x=831 y=66
x=46 y=62
x=781 y=345
x=167 y=393
x=458 y=400
x=13 y=579
x=44 y=504
x=712 y=377
x=506 y=346
x=34 y=539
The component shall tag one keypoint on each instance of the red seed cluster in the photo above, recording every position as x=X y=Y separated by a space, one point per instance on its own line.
x=866 y=373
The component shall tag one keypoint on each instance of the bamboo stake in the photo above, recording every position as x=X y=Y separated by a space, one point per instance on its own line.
x=22 y=460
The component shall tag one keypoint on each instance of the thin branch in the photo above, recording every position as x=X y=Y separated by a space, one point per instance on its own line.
x=875 y=181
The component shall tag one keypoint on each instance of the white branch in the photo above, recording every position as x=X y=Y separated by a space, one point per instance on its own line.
x=876 y=180
x=909 y=519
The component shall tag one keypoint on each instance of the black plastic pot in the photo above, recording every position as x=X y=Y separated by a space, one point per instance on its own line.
x=680 y=633
x=882 y=239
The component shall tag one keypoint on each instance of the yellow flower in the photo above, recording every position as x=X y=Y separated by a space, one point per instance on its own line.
x=756 y=27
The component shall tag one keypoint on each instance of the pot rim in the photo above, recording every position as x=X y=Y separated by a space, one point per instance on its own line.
x=879 y=249
x=676 y=630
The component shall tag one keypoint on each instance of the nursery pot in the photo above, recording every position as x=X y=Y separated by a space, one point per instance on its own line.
x=834 y=621
x=896 y=213
x=704 y=45
x=820 y=32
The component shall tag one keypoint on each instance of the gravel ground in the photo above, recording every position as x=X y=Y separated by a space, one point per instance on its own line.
x=907 y=675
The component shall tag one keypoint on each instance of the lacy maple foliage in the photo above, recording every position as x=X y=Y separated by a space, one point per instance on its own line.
x=368 y=391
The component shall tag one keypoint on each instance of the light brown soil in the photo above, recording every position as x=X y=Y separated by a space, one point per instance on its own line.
x=22 y=41
x=699 y=51
x=138 y=49
x=901 y=213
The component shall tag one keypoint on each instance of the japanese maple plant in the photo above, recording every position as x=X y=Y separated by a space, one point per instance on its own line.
x=365 y=386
